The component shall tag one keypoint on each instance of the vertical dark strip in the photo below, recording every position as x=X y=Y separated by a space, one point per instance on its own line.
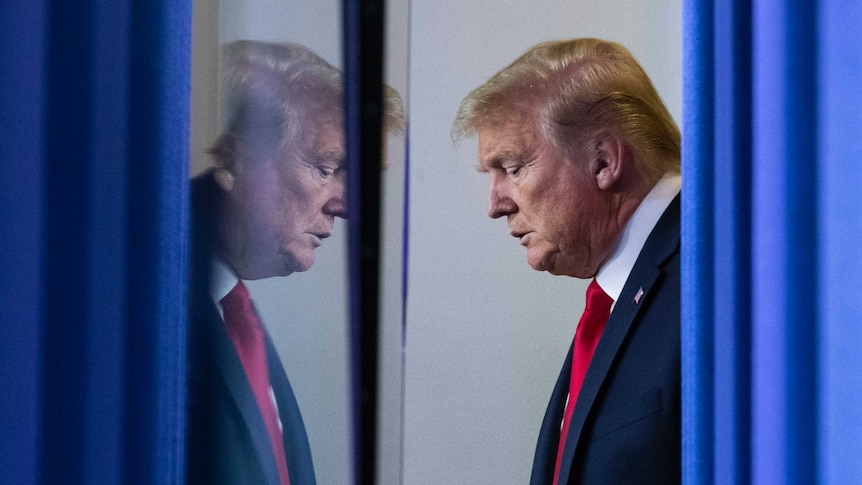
x=732 y=242
x=405 y=256
x=801 y=209
x=697 y=242
x=66 y=207
x=363 y=62
x=405 y=282
x=143 y=304
x=405 y=237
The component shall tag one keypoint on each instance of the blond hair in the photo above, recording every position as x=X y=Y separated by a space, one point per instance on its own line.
x=576 y=88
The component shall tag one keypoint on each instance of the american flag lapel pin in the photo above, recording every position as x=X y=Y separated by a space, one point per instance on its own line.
x=638 y=295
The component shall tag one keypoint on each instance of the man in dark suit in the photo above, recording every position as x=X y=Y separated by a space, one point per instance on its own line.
x=584 y=163
x=278 y=182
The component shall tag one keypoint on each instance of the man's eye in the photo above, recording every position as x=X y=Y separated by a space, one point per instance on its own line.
x=326 y=171
x=513 y=170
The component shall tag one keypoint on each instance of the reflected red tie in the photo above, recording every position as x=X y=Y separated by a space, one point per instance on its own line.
x=587 y=335
x=246 y=332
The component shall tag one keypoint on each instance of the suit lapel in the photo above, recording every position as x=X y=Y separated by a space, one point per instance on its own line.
x=296 y=447
x=661 y=244
x=236 y=381
x=545 y=458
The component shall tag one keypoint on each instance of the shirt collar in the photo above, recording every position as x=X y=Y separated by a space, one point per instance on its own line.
x=222 y=280
x=613 y=274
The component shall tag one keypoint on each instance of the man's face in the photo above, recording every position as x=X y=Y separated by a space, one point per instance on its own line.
x=553 y=205
x=287 y=205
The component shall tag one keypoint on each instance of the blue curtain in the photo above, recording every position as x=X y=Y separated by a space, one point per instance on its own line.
x=94 y=114
x=772 y=373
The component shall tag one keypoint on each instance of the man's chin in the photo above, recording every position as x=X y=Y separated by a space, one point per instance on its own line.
x=539 y=262
x=552 y=264
x=298 y=263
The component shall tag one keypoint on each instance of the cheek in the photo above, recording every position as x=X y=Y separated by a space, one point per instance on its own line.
x=272 y=212
x=300 y=195
x=550 y=214
x=296 y=208
x=566 y=225
x=298 y=213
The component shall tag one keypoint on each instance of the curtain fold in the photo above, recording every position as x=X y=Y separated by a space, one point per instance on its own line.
x=772 y=386
x=696 y=260
x=732 y=264
x=94 y=121
x=783 y=246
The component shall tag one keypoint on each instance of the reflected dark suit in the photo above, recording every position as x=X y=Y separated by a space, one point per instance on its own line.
x=626 y=425
x=227 y=442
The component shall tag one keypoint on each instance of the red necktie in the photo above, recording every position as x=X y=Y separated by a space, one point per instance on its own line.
x=587 y=335
x=246 y=332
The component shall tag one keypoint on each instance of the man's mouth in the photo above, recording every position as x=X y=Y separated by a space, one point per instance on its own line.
x=320 y=236
x=521 y=235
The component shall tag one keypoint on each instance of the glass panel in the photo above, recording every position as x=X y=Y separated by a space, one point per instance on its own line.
x=244 y=96
x=396 y=51
x=268 y=137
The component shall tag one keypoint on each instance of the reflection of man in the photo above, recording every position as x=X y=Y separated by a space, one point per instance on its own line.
x=583 y=159
x=278 y=183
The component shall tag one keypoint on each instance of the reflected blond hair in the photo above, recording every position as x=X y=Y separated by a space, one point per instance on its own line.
x=271 y=91
x=576 y=88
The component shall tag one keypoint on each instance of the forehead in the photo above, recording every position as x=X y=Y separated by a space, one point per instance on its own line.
x=512 y=137
x=322 y=135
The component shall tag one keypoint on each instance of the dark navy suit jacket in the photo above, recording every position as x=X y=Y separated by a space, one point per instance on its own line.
x=227 y=442
x=626 y=425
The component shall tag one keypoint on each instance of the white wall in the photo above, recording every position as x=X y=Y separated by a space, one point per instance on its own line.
x=486 y=335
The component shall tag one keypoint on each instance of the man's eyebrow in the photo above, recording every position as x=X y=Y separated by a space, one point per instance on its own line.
x=337 y=157
x=498 y=159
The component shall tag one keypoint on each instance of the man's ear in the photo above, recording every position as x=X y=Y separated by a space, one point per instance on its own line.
x=226 y=153
x=610 y=157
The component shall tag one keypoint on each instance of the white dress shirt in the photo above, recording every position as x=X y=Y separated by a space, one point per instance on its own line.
x=222 y=280
x=613 y=274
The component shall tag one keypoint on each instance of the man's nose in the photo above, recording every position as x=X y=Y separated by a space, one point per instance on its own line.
x=337 y=204
x=499 y=203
